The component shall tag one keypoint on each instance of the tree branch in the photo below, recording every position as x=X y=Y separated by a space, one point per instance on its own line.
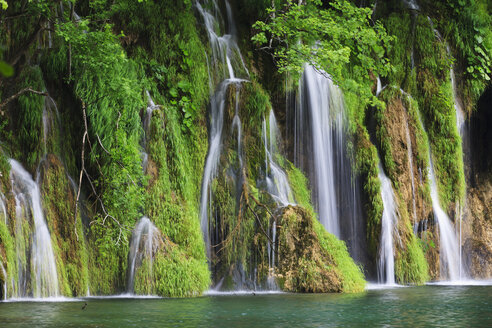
x=18 y=94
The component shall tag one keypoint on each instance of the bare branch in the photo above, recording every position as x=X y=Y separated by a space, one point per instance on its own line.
x=18 y=94
x=261 y=225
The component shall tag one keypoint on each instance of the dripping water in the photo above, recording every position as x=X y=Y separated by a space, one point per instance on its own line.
x=143 y=245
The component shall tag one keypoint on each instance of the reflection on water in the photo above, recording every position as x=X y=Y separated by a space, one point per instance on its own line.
x=439 y=306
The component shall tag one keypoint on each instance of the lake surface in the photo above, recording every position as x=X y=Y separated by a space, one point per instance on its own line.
x=429 y=306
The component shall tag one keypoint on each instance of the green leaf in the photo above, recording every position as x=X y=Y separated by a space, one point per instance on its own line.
x=5 y=69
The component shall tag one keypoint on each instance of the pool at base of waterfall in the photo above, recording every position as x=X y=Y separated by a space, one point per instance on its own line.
x=432 y=305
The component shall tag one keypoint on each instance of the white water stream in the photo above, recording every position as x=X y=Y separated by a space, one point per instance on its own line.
x=144 y=244
x=449 y=247
x=44 y=277
x=225 y=58
x=277 y=183
x=389 y=220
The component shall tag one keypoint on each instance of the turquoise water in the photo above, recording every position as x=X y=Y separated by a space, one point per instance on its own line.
x=427 y=306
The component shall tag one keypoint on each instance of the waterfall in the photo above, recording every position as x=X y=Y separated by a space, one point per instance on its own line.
x=320 y=151
x=144 y=244
x=277 y=185
x=389 y=220
x=151 y=106
x=411 y=4
x=449 y=247
x=276 y=181
x=225 y=58
x=325 y=105
x=43 y=265
x=49 y=110
x=463 y=132
x=379 y=86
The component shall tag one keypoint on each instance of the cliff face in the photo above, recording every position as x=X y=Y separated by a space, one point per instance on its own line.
x=179 y=118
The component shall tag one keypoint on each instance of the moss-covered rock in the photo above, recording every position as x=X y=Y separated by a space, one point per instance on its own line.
x=67 y=232
x=312 y=260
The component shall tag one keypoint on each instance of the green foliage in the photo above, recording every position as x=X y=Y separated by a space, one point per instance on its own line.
x=367 y=162
x=300 y=186
x=338 y=39
x=174 y=275
x=351 y=274
x=410 y=264
x=437 y=105
x=466 y=24
x=7 y=248
x=66 y=232
x=29 y=116
x=171 y=53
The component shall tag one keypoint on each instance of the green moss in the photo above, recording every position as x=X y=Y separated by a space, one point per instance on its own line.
x=28 y=117
x=367 y=166
x=300 y=186
x=437 y=105
x=174 y=275
x=7 y=253
x=67 y=233
x=410 y=264
x=311 y=259
x=350 y=275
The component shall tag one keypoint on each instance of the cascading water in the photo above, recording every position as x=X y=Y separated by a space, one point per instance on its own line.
x=225 y=58
x=50 y=114
x=277 y=184
x=411 y=4
x=463 y=131
x=386 y=261
x=326 y=109
x=320 y=151
x=151 y=106
x=449 y=247
x=144 y=243
x=44 y=278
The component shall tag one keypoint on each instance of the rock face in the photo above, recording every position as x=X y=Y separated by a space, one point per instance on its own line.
x=478 y=246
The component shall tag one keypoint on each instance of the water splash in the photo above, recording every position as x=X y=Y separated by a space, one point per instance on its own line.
x=386 y=261
x=144 y=244
x=44 y=276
